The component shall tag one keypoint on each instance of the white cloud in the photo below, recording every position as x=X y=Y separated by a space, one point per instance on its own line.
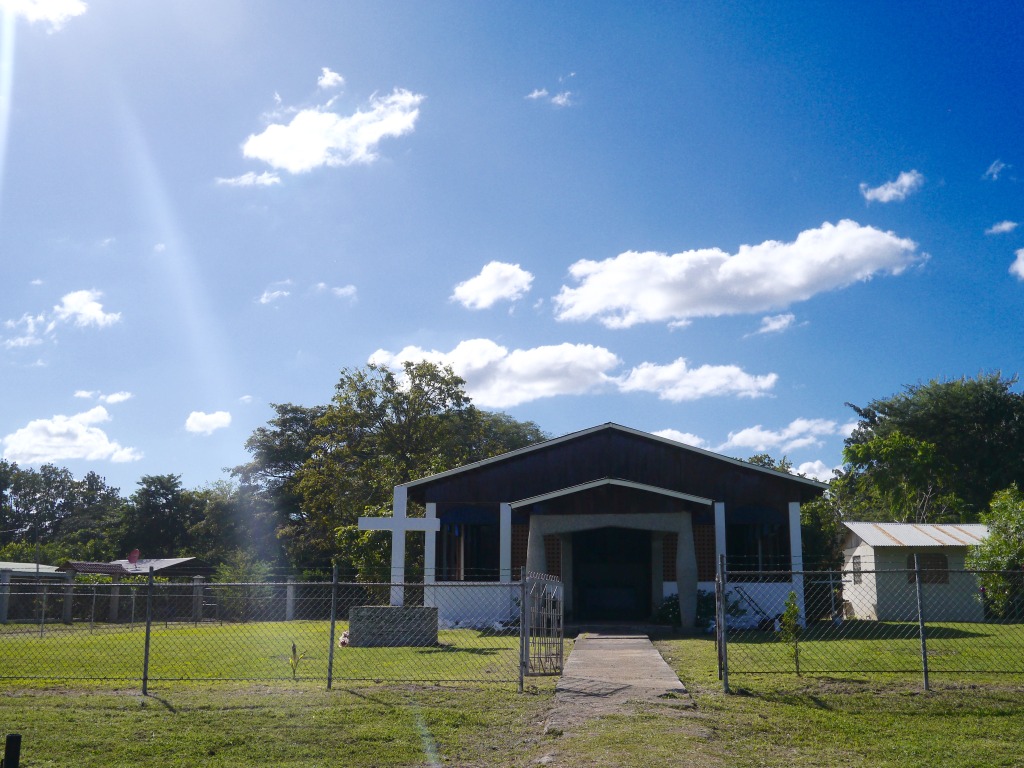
x=316 y=137
x=66 y=437
x=997 y=167
x=251 y=179
x=496 y=282
x=563 y=99
x=246 y=399
x=1001 y=228
x=845 y=430
x=84 y=309
x=637 y=287
x=687 y=438
x=906 y=184
x=537 y=93
x=207 y=423
x=53 y=12
x=345 y=292
x=36 y=281
x=800 y=433
x=776 y=323
x=159 y=248
x=31 y=327
x=275 y=291
x=818 y=470
x=269 y=296
x=329 y=79
x=111 y=399
x=1017 y=268
x=678 y=382
x=499 y=378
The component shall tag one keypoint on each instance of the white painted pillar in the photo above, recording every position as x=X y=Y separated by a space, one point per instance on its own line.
x=796 y=555
x=430 y=548
x=719 y=533
x=505 y=543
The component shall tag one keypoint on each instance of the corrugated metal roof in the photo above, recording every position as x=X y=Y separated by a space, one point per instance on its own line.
x=30 y=568
x=914 y=535
x=106 y=569
x=156 y=563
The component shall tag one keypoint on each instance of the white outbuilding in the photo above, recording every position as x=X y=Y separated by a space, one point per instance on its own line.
x=880 y=582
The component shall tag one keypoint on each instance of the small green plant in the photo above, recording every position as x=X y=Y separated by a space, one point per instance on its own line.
x=294 y=660
x=789 y=627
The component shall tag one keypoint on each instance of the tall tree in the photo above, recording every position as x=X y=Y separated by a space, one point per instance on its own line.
x=159 y=516
x=322 y=468
x=937 y=451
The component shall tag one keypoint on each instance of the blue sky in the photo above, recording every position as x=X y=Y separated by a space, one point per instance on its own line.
x=709 y=221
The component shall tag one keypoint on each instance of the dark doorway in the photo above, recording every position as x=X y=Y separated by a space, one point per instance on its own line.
x=611 y=575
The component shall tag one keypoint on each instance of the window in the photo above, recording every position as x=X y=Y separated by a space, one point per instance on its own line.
x=857 y=578
x=934 y=568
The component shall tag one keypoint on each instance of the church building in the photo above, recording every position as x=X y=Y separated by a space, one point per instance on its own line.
x=623 y=517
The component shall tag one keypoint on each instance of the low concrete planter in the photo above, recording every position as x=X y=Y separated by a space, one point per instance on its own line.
x=391 y=626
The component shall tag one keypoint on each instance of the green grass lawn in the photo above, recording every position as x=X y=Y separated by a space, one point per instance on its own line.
x=772 y=720
x=870 y=646
x=254 y=651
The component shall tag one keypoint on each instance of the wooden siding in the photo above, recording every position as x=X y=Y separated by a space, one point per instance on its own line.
x=615 y=453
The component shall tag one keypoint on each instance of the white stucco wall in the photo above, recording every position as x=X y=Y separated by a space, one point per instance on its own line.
x=888 y=595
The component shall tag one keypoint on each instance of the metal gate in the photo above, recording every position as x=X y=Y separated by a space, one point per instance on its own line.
x=541 y=631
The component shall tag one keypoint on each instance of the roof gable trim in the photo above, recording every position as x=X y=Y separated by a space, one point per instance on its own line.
x=610 y=481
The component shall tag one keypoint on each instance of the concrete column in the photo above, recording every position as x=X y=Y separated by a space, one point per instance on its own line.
x=657 y=569
x=69 y=595
x=536 y=558
x=719 y=532
x=505 y=543
x=686 y=570
x=565 y=540
x=5 y=594
x=289 y=600
x=796 y=554
x=115 y=597
x=197 y=599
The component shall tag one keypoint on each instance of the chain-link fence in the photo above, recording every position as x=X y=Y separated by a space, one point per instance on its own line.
x=329 y=631
x=923 y=621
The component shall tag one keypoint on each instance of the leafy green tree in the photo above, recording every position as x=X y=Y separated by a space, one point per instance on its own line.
x=268 y=484
x=765 y=460
x=158 y=518
x=1002 y=552
x=938 y=451
x=907 y=478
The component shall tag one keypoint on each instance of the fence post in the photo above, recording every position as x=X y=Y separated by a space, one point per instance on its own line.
x=12 y=751
x=69 y=595
x=115 y=597
x=524 y=631
x=920 y=621
x=42 y=608
x=5 y=594
x=334 y=623
x=723 y=643
x=289 y=599
x=149 y=626
x=197 y=599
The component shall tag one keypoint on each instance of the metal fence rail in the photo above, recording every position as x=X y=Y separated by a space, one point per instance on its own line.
x=323 y=631
x=915 y=621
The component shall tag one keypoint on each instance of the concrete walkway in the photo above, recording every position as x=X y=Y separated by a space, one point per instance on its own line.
x=605 y=673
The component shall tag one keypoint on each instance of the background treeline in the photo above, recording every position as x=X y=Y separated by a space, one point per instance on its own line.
x=937 y=452
x=293 y=508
